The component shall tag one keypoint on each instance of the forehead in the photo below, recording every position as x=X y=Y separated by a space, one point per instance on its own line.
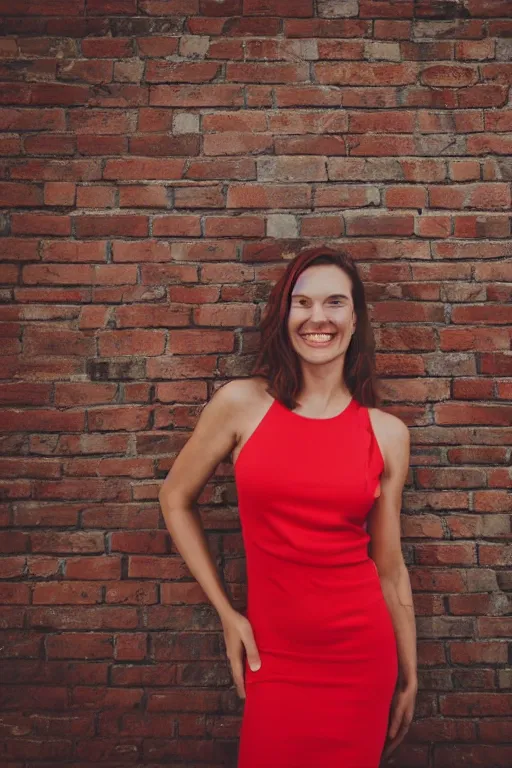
x=326 y=279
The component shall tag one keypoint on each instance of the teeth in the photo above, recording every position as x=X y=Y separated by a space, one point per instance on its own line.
x=318 y=336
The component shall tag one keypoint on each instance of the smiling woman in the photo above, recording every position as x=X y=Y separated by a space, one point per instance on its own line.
x=329 y=627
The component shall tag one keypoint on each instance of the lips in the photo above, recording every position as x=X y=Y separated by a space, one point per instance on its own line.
x=317 y=339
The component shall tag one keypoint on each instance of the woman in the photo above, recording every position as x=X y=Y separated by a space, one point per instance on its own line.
x=329 y=677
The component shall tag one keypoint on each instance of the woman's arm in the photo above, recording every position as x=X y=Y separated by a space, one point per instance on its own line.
x=213 y=438
x=385 y=550
x=385 y=542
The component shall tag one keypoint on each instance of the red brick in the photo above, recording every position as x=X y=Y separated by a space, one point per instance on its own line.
x=31 y=119
x=14 y=195
x=483 y=144
x=278 y=8
x=310 y=145
x=177 y=226
x=185 y=367
x=246 y=121
x=345 y=196
x=131 y=593
x=229 y=143
x=225 y=48
x=339 y=28
x=135 y=169
x=14 y=594
x=422 y=170
x=386 y=9
x=434 y=226
x=196 y=96
x=58 y=94
x=306 y=121
x=93 y=393
x=235 y=226
x=158 y=71
x=202 y=169
x=307 y=96
x=152 y=120
x=384 y=122
x=365 y=73
x=448 y=75
x=59 y=193
x=498 y=121
x=379 y=224
x=21 y=393
x=482 y=226
x=321 y=226
x=154 y=196
x=200 y=341
x=97 y=568
x=220 y=7
x=129 y=418
x=129 y=225
x=464 y=170
x=484 y=95
x=101 y=145
x=58 y=144
x=136 y=342
x=40 y=224
x=38 y=341
x=115 y=274
x=267 y=73
x=405 y=197
x=205 y=196
x=385 y=146
x=225 y=315
x=164 y=145
x=482 y=196
x=268 y=196
x=42 y=420
x=427 y=50
x=475 y=49
x=107 y=47
x=61 y=593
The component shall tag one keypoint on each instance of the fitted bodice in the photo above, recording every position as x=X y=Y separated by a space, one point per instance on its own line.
x=305 y=486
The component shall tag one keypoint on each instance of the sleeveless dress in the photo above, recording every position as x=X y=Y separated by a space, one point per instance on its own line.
x=322 y=696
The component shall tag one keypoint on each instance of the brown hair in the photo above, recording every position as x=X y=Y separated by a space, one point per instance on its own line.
x=278 y=362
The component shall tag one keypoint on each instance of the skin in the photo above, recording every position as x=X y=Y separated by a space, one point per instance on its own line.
x=321 y=302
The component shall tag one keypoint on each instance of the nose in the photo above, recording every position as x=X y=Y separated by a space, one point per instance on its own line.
x=318 y=313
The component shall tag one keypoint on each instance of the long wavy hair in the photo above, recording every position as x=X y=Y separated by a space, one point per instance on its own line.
x=278 y=362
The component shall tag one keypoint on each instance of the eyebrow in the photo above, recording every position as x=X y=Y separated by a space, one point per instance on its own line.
x=332 y=296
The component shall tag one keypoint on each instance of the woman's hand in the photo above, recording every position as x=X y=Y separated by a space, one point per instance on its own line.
x=238 y=635
x=402 y=712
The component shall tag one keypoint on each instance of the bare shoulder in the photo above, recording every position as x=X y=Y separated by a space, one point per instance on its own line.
x=249 y=401
x=392 y=435
x=241 y=393
x=387 y=425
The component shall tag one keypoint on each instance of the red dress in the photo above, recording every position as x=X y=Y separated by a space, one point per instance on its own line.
x=322 y=696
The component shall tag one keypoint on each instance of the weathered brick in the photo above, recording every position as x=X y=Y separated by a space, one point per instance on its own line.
x=272 y=196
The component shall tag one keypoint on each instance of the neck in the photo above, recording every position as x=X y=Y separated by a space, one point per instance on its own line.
x=323 y=385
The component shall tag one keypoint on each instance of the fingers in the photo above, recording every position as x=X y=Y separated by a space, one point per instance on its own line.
x=237 y=669
x=239 y=636
x=396 y=740
x=251 y=649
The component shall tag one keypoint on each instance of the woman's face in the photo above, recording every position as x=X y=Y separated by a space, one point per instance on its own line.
x=321 y=317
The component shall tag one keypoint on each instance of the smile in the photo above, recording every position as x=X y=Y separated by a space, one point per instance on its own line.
x=318 y=338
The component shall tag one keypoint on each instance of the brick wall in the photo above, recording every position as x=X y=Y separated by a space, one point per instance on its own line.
x=161 y=161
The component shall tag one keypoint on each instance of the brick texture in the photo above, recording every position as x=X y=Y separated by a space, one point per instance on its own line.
x=160 y=162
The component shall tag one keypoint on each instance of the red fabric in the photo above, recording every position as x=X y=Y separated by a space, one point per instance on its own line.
x=321 y=624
